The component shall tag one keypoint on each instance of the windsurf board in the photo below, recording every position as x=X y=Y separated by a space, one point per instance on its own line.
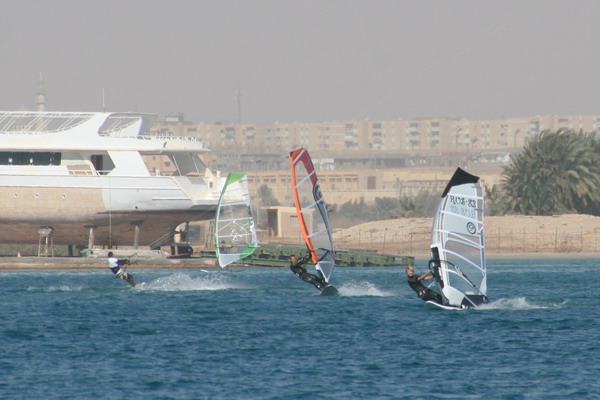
x=438 y=305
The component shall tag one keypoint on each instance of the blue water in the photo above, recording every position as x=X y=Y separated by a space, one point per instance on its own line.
x=264 y=334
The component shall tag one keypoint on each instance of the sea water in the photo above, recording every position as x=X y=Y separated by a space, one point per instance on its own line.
x=261 y=333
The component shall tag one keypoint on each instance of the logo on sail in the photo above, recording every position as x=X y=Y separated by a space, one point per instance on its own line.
x=471 y=228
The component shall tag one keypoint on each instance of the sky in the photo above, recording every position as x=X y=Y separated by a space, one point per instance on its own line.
x=303 y=60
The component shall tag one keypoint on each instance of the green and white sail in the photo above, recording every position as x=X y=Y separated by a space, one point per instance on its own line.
x=235 y=232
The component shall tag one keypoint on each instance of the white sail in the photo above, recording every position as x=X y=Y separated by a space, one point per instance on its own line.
x=457 y=242
x=235 y=233
x=312 y=213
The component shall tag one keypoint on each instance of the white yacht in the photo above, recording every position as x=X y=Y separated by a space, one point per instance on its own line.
x=81 y=177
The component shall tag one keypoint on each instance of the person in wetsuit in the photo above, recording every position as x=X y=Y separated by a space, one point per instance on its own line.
x=115 y=263
x=300 y=271
x=424 y=293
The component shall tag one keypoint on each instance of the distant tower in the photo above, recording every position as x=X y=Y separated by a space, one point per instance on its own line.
x=40 y=100
x=238 y=97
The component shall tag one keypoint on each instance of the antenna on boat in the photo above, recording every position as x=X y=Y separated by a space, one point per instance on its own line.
x=103 y=102
x=40 y=99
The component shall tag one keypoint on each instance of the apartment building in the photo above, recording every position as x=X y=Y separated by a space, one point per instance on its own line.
x=381 y=144
x=367 y=159
x=341 y=186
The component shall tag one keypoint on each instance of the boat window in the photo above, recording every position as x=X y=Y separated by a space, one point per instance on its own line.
x=102 y=164
x=96 y=160
x=188 y=164
x=29 y=158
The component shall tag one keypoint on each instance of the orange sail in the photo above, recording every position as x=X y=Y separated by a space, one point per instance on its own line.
x=312 y=212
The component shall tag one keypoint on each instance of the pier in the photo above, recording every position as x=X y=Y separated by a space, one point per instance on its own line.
x=278 y=255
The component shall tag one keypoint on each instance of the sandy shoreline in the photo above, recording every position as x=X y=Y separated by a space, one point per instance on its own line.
x=35 y=263
x=567 y=236
x=505 y=236
x=508 y=237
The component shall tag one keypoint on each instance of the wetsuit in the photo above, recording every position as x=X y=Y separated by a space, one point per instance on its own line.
x=423 y=291
x=301 y=273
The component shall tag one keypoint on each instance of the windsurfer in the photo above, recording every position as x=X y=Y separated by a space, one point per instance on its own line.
x=115 y=263
x=424 y=293
x=300 y=271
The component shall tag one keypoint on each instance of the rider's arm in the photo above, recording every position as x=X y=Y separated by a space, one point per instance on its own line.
x=306 y=258
x=426 y=276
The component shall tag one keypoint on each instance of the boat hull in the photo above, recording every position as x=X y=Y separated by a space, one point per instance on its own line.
x=112 y=206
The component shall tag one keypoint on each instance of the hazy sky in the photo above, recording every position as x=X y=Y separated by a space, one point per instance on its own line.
x=304 y=60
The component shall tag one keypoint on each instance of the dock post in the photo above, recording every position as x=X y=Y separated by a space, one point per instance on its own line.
x=46 y=235
x=136 y=233
x=91 y=236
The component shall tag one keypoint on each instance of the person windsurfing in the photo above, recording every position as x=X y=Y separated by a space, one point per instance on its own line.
x=115 y=263
x=301 y=272
x=424 y=293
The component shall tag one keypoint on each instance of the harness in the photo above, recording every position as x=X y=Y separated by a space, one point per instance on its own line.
x=118 y=271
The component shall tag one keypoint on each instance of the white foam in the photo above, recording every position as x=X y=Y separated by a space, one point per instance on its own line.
x=516 y=303
x=56 y=288
x=362 y=289
x=183 y=282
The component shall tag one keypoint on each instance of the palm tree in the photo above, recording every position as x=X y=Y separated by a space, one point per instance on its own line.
x=351 y=212
x=385 y=207
x=266 y=197
x=411 y=207
x=496 y=200
x=555 y=173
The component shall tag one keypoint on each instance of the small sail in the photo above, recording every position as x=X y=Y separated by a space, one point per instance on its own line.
x=235 y=233
x=311 y=212
x=457 y=242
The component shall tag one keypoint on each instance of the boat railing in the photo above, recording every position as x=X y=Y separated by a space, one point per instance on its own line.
x=137 y=137
x=29 y=132
x=154 y=137
x=82 y=171
x=182 y=138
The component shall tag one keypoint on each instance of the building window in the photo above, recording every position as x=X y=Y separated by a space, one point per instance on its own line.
x=371 y=183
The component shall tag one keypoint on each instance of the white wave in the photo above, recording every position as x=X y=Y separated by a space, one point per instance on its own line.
x=517 y=303
x=56 y=288
x=184 y=282
x=362 y=289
